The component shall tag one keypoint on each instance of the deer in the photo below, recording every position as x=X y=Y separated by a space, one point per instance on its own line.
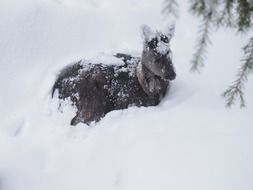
x=95 y=89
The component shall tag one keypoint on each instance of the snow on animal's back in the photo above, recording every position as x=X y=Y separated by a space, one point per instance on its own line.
x=106 y=59
x=119 y=62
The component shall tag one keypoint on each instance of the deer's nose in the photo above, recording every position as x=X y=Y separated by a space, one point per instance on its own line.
x=171 y=76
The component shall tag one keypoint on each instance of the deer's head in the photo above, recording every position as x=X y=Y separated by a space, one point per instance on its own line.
x=156 y=55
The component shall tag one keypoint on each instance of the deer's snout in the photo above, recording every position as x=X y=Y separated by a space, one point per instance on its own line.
x=170 y=76
x=168 y=72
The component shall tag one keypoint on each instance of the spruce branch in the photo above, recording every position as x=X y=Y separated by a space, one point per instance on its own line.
x=245 y=10
x=198 y=7
x=226 y=18
x=202 y=43
x=233 y=14
x=170 y=8
x=235 y=91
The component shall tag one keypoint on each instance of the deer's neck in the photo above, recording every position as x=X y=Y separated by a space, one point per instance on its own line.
x=147 y=79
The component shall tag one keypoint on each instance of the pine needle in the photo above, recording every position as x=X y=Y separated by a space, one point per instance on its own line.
x=170 y=8
x=202 y=43
x=236 y=90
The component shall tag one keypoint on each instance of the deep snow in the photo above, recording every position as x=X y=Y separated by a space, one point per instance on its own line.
x=189 y=141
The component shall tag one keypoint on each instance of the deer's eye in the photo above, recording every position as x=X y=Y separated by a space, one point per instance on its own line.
x=153 y=43
x=164 y=39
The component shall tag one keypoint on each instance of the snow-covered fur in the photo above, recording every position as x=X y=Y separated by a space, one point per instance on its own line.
x=98 y=88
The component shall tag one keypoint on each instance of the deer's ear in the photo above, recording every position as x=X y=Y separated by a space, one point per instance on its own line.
x=169 y=30
x=147 y=33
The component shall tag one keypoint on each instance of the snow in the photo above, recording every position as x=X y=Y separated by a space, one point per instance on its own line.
x=162 y=48
x=105 y=59
x=190 y=141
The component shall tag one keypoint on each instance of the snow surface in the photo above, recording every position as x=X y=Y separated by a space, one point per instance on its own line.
x=190 y=141
x=105 y=59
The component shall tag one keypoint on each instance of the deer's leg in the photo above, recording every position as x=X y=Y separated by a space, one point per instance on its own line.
x=91 y=110
x=91 y=105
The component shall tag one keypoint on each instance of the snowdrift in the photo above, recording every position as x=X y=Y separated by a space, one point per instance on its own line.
x=189 y=141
